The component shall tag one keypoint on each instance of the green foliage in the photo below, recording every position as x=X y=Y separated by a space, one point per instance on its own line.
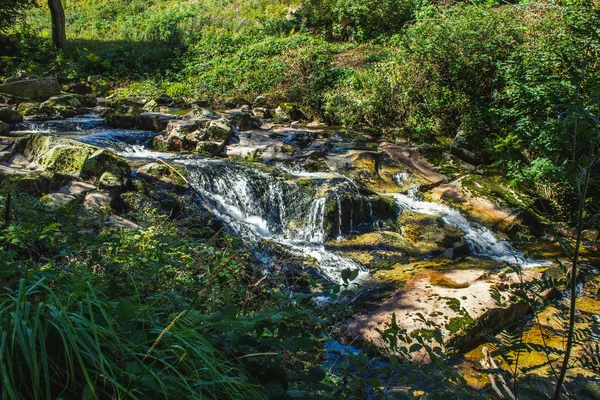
x=10 y=10
x=356 y=19
x=75 y=344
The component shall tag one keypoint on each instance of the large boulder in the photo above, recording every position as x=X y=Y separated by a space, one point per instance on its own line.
x=243 y=121
x=66 y=104
x=218 y=130
x=41 y=88
x=120 y=120
x=289 y=112
x=164 y=100
x=150 y=121
x=69 y=157
x=10 y=116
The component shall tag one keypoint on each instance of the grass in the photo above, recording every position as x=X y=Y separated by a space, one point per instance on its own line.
x=75 y=344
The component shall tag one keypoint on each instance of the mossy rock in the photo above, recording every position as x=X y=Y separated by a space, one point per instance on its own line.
x=58 y=155
x=102 y=161
x=28 y=108
x=210 y=148
x=120 y=120
x=73 y=158
x=428 y=232
x=160 y=143
x=218 y=130
x=171 y=175
x=4 y=128
x=243 y=121
x=42 y=88
x=10 y=116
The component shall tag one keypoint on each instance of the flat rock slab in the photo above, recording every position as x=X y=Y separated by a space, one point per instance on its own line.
x=57 y=200
x=258 y=143
x=414 y=161
x=120 y=222
x=77 y=189
x=97 y=200
x=18 y=161
x=450 y=301
x=6 y=170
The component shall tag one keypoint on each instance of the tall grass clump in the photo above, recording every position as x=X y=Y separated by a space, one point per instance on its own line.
x=75 y=345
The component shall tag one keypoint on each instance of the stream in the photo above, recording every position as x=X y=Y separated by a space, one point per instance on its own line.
x=258 y=205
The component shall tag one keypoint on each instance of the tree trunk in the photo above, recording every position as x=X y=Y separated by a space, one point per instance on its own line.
x=59 y=36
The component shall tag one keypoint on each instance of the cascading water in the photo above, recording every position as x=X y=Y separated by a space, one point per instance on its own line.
x=480 y=239
x=258 y=205
x=61 y=126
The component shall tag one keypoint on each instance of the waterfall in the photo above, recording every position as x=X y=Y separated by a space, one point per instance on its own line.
x=480 y=239
x=257 y=205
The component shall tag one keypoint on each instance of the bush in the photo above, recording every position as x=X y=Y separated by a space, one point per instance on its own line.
x=357 y=19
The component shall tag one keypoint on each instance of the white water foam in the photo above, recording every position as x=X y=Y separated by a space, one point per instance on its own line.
x=482 y=241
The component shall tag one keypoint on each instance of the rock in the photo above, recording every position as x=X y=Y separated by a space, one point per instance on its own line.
x=10 y=116
x=190 y=141
x=289 y=112
x=210 y=148
x=28 y=108
x=453 y=196
x=69 y=157
x=160 y=143
x=79 y=88
x=243 y=121
x=150 y=106
x=41 y=88
x=12 y=100
x=97 y=200
x=262 y=113
x=316 y=125
x=590 y=235
x=151 y=121
x=103 y=161
x=202 y=113
x=4 y=128
x=77 y=189
x=119 y=120
x=164 y=100
x=236 y=102
x=461 y=251
x=261 y=100
x=162 y=173
x=218 y=130
x=468 y=149
x=58 y=200
x=120 y=222
x=66 y=104
x=98 y=84
x=110 y=180
x=71 y=100
x=182 y=127
x=427 y=234
x=57 y=155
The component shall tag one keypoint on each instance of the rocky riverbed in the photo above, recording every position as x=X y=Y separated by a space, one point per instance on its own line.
x=431 y=249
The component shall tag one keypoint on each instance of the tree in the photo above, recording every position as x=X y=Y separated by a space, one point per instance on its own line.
x=59 y=36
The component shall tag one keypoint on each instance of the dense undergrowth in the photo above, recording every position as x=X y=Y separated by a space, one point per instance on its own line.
x=420 y=71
